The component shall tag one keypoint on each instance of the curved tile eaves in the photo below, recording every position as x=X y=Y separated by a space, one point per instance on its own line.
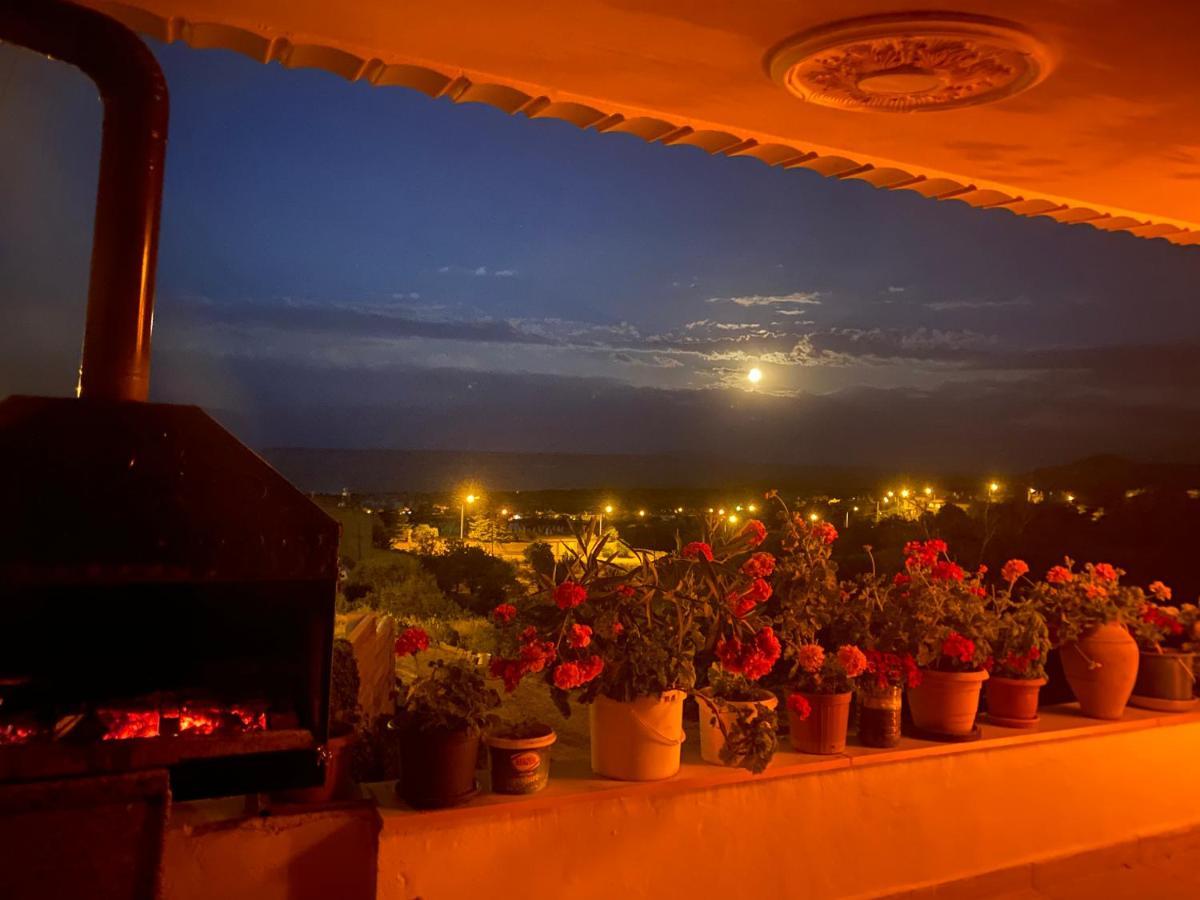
x=266 y=48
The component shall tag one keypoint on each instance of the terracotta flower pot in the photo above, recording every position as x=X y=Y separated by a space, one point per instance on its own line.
x=823 y=731
x=712 y=738
x=946 y=702
x=437 y=766
x=1013 y=702
x=1101 y=668
x=637 y=740
x=1165 y=681
x=879 y=716
x=520 y=765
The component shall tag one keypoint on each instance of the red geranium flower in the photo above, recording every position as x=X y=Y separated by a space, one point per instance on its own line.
x=697 y=549
x=944 y=570
x=825 y=532
x=1106 y=571
x=759 y=565
x=1013 y=569
x=799 y=706
x=411 y=640
x=504 y=613
x=1059 y=575
x=579 y=635
x=955 y=646
x=756 y=531
x=568 y=595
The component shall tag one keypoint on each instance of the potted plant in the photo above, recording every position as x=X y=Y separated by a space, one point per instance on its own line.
x=344 y=715
x=1166 y=670
x=440 y=714
x=1017 y=669
x=738 y=724
x=1088 y=613
x=819 y=701
x=520 y=756
x=949 y=628
x=879 y=694
x=619 y=637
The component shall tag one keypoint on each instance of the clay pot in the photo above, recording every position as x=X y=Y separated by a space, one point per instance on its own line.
x=437 y=766
x=1101 y=668
x=638 y=740
x=946 y=702
x=712 y=738
x=1165 y=681
x=520 y=765
x=1013 y=702
x=879 y=716
x=337 y=783
x=824 y=730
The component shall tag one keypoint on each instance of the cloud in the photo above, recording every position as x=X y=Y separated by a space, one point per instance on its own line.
x=799 y=298
x=895 y=289
x=948 y=305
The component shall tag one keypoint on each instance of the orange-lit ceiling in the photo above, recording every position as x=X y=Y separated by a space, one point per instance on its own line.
x=1109 y=136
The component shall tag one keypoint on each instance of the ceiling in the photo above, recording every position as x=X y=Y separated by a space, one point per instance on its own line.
x=1109 y=136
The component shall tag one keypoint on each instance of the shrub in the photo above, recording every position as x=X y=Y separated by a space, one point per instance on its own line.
x=475 y=580
x=400 y=586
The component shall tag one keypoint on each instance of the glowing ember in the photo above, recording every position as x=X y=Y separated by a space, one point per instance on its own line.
x=184 y=720
x=123 y=724
x=16 y=734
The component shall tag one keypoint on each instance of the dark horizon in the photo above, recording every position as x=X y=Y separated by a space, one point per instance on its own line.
x=351 y=266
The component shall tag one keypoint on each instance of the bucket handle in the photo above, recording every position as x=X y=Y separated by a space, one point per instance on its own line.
x=658 y=735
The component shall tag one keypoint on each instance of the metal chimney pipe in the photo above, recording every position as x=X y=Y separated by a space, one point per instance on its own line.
x=120 y=311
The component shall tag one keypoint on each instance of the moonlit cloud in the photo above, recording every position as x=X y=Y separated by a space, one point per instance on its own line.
x=798 y=298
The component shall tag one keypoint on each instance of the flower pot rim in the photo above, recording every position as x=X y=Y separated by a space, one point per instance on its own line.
x=824 y=696
x=1003 y=679
x=665 y=697
x=500 y=742
x=1167 y=652
x=765 y=697
x=978 y=675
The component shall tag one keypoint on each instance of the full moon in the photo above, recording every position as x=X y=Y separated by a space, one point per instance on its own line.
x=755 y=375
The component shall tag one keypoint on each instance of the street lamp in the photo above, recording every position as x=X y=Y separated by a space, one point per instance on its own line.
x=607 y=511
x=469 y=500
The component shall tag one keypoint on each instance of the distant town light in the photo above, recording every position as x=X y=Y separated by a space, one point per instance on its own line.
x=733 y=519
x=710 y=509
x=752 y=508
x=856 y=509
x=904 y=493
x=504 y=511
x=755 y=375
x=608 y=509
x=1070 y=498
x=679 y=509
x=641 y=512
x=993 y=487
x=471 y=498
x=928 y=490
x=891 y=493
x=812 y=517
x=721 y=511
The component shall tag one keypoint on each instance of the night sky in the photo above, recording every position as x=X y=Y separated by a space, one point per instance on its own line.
x=348 y=266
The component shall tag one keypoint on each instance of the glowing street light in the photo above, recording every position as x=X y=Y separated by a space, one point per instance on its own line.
x=928 y=491
x=993 y=487
x=891 y=493
x=468 y=500
x=608 y=509
x=721 y=511
x=813 y=517
x=752 y=508
x=642 y=513
x=754 y=375
x=904 y=493
x=733 y=519
x=679 y=510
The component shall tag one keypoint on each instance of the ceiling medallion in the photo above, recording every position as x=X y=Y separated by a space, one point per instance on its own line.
x=911 y=62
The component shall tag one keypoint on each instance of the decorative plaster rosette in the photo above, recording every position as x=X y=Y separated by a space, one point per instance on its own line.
x=910 y=63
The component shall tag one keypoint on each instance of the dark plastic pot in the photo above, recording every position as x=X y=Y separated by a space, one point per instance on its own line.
x=520 y=765
x=437 y=766
x=879 y=716
x=1165 y=681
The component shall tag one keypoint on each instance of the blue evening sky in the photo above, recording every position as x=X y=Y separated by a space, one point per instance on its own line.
x=343 y=265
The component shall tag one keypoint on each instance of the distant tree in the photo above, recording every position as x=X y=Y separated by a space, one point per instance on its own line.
x=428 y=540
x=540 y=557
x=489 y=529
x=399 y=586
x=473 y=578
